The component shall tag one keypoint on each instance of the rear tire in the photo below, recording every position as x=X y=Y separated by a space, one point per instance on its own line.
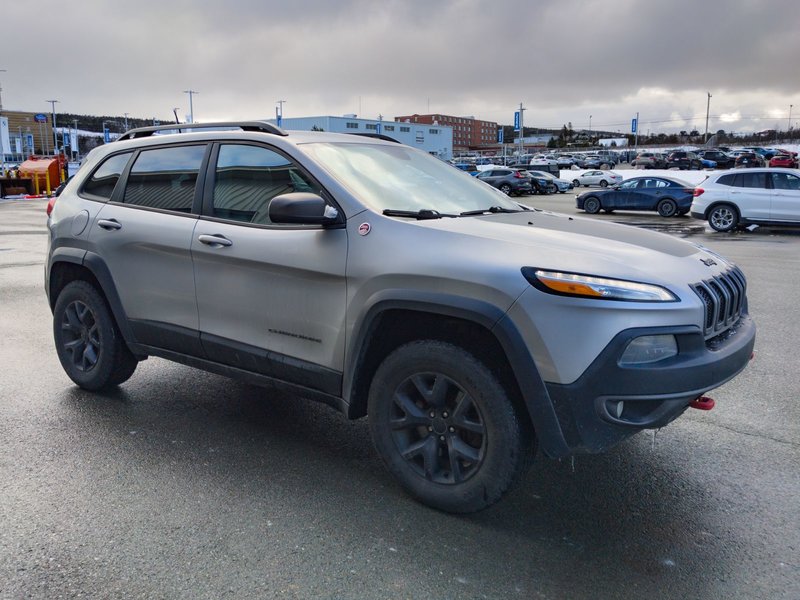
x=667 y=207
x=603 y=183
x=88 y=342
x=506 y=189
x=446 y=428
x=723 y=218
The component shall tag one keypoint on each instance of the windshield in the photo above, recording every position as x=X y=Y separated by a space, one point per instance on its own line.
x=401 y=178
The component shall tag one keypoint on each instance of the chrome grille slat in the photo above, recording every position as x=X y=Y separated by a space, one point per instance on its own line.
x=723 y=298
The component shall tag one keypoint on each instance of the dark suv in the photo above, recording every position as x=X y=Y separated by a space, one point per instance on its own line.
x=508 y=181
x=377 y=279
x=724 y=161
x=685 y=161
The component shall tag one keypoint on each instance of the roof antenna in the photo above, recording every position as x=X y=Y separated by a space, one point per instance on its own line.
x=177 y=120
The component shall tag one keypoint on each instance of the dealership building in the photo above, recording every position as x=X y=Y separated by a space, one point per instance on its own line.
x=436 y=140
x=23 y=134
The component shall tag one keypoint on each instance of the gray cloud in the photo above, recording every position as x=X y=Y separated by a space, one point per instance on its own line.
x=565 y=59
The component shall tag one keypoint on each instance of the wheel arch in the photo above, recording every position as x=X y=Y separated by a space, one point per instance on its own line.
x=480 y=328
x=717 y=203
x=69 y=264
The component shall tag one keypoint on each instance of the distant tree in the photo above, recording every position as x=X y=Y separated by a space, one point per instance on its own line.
x=694 y=132
x=315 y=128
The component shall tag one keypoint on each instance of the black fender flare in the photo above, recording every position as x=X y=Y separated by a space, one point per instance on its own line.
x=534 y=392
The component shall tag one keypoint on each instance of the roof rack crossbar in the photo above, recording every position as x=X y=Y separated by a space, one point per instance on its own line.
x=261 y=126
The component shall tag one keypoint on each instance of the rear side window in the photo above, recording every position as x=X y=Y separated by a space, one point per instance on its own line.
x=752 y=180
x=727 y=180
x=165 y=178
x=104 y=179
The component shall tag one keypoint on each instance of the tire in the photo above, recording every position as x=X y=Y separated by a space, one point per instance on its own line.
x=603 y=183
x=667 y=207
x=723 y=218
x=576 y=183
x=506 y=189
x=592 y=205
x=474 y=448
x=88 y=342
x=552 y=189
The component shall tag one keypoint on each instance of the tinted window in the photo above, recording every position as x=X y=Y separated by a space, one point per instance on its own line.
x=752 y=180
x=631 y=183
x=784 y=181
x=727 y=180
x=103 y=180
x=654 y=183
x=165 y=178
x=248 y=177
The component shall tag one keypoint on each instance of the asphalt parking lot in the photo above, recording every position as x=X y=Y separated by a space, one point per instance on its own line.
x=183 y=484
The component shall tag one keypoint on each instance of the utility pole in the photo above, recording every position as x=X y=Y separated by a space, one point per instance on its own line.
x=708 y=106
x=279 y=112
x=126 y=121
x=75 y=150
x=636 y=133
x=590 y=130
x=1 y=92
x=789 y=131
x=521 y=131
x=191 y=106
x=55 y=135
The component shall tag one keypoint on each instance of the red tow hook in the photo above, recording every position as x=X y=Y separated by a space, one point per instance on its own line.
x=702 y=403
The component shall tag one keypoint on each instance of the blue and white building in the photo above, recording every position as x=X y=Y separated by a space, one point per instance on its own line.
x=434 y=139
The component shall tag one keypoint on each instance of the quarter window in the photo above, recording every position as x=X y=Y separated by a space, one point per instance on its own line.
x=103 y=180
x=784 y=181
x=165 y=178
x=752 y=180
x=249 y=177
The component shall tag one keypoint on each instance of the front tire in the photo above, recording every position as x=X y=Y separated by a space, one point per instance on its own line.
x=723 y=218
x=592 y=205
x=88 y=342
x=446 y=428
x=506 y=189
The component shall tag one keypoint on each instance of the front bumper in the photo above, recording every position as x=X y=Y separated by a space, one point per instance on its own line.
x=652 y=395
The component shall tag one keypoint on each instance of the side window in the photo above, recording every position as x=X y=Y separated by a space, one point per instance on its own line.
x=754 y=180
x=104 y=179
x=165 y=178
x=630 y=184
x=726 y=179
x=784 y=181
x=248 y=177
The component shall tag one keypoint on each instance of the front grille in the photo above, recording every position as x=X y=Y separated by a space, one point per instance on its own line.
x=723 y=297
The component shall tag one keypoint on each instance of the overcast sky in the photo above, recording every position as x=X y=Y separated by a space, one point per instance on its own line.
x=563 y=59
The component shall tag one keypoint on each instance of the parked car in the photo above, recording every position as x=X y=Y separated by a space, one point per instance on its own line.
x=468 y=167
x=784 y=160
x=669 y=197
x=764 y=153
x=565 y=161
x=708 y=164
x=647 y=160
x=762 y=196
x=553 y=184
x=722 y=160
x=684 y=160
x=748 y=160
x=470 y=329
x=596 y=177
x=509 y=181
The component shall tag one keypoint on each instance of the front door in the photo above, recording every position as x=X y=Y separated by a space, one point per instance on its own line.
x=785 y=197
x=271 y=298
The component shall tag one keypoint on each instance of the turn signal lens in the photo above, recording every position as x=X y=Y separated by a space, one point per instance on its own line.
x=588 y=286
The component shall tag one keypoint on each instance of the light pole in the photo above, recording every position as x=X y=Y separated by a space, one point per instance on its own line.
x=126 y=121
x=708 y=106
x=55 y=134
x=590 y=128
x=279 y=112
x=1 y=91
x=790 y=123
x=191 y=106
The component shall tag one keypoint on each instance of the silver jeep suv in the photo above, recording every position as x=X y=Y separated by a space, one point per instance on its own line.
x=382 y=281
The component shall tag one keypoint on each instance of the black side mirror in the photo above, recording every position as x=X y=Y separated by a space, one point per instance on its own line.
x=302 y=208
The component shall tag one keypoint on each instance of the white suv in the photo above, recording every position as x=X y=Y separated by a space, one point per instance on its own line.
x=733 y=199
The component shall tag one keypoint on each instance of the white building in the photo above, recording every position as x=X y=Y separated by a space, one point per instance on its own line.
x=434 y=139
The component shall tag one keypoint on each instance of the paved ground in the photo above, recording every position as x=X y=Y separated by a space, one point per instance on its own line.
x=187 y=485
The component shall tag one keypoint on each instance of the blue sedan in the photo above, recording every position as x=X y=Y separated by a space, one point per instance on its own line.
x=668 y=196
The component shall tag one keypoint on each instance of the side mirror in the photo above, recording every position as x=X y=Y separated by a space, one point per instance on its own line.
x=302 y=208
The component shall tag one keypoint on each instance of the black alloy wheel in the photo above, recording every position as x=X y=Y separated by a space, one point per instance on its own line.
x=667 y=207
x=89 y=345
x=592 y=205
x=446 y=428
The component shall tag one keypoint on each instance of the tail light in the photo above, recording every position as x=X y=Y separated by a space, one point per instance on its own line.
x=698 y=192
x=50 y=204
x=519 y=175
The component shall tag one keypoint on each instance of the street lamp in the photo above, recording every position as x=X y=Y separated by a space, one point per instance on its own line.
x=126 y=121
x=55 y=134
x=279 y=112
x=191 y=106
x=1 y=91
x=790 y=123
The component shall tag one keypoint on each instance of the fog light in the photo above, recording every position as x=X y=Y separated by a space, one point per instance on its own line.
x=649 y=349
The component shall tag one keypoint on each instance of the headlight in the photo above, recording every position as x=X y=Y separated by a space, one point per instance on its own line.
x=601 y=288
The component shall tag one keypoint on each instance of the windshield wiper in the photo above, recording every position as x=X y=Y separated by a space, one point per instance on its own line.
x=420 y=215
x=491 y=209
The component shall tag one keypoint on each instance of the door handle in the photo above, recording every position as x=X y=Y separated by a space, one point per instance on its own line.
x=109 y=224
x=214 y=240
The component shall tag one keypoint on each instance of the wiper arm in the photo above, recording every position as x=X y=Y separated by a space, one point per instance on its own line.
x=420 y=215
x=491 y=209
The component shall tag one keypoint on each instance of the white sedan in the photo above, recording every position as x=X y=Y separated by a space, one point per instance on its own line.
x=601 y=178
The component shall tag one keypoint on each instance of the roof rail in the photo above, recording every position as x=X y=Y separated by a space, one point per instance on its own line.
x=261 y=126
x=377 y=136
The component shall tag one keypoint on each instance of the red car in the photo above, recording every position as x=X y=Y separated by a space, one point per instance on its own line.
x=784 y=160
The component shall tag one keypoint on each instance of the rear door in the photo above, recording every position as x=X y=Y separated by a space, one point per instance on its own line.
x=271 y=297
x=144 y=236
x=785 y=197
x=751 y=195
